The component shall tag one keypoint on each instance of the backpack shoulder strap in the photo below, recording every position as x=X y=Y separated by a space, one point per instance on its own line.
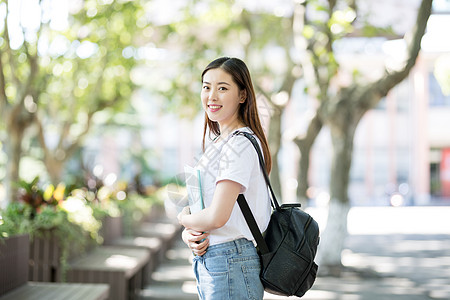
x=242 y=202
x=251 y=222
x=252 y=139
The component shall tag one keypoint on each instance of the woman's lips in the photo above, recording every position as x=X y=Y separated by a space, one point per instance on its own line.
x=214 y=108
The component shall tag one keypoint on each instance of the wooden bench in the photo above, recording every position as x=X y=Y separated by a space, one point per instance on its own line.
x=125 y=262
x=151 y=244
x=155 y=236
x=164 y=230
x=44 y=263
x=58 y=291
x=14 y=255
x=122 y=268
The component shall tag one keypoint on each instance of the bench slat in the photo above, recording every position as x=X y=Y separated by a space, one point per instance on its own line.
x=108 y=258
x=152 y=244
x=58 y=291
x=120 y=267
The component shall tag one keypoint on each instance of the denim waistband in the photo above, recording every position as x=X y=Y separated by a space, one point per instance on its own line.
x=236 y=246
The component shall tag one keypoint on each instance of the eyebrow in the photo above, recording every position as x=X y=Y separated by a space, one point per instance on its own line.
x=222 y=82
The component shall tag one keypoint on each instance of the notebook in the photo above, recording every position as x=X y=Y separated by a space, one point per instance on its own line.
x=194 y=189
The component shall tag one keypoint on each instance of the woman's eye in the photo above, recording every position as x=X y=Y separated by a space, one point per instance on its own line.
x=222 y=88
x=205 y=87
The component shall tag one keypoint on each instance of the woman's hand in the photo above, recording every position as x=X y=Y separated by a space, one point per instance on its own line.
x=193 y=239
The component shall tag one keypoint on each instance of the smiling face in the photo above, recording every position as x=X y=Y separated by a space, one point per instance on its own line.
x=221 y=97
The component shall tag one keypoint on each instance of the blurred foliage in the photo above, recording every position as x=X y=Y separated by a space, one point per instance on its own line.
x=206 y=30
x=74 y=216
x=76 y=220
x=21 y=218
x=135 y=208
x=36 y=197
x=15 y=219
x=92 y=70
x=59 y=77
x=93 y=73
x=45 y=208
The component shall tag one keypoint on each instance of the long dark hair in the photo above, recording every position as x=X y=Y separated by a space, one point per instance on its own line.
x=248 y=110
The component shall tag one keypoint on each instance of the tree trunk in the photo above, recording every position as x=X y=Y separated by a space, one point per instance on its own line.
x=305 y=144
x=13 y=146
x=333 y=238
x=343 y=116
x=55 y=159
x=54 y=168
x=274 y=137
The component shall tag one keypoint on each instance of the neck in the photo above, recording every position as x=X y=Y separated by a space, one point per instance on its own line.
x=227 y=129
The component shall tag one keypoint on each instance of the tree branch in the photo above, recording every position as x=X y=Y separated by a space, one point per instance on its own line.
x=41 y=136
x=64 y=132
x=386 y=83
x=8 y=49
x=304 y=143
x=3 y=97
x=310 y=61
x=245 y=19
x=74 y=146
x=261 y=91
x=25 y=90
x=289 y=78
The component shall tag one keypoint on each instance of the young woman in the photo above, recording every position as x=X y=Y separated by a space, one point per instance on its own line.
x=226 y=264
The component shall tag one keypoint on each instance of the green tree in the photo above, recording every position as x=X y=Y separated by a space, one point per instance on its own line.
x=342 y=110
x=57 y=79
x=19 y=74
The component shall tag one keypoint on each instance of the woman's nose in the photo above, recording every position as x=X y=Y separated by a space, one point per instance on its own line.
x=212 y=95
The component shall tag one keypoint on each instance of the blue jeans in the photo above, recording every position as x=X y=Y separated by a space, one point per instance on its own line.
x=229 y=271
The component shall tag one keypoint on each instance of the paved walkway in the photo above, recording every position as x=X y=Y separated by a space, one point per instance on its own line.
x=388 y=263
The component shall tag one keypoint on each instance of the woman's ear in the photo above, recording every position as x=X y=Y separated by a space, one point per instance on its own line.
x=243 y=96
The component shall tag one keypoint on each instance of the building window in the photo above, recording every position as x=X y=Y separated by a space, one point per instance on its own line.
x=435 y=180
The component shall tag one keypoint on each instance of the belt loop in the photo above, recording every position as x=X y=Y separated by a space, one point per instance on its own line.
x=238 y=247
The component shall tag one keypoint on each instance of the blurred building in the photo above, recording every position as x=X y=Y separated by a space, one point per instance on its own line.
x=401 y=148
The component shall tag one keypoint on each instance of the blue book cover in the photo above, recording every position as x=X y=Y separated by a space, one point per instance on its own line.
x=194 y=189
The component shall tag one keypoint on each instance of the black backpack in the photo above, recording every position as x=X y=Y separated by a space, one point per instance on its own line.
x=289 y=245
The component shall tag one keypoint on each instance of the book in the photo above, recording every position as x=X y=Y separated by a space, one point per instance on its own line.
x=194 y=189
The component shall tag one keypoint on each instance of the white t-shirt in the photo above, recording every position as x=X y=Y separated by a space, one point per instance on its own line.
x=235 y=159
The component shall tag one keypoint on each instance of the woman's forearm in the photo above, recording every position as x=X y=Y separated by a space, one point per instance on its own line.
x=216 y=215
x=203 y=220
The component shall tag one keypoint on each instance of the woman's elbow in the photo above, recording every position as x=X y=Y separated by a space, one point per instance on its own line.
x=219 y=222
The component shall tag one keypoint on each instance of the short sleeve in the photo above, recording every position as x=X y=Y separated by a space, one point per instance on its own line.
x=237 y=160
